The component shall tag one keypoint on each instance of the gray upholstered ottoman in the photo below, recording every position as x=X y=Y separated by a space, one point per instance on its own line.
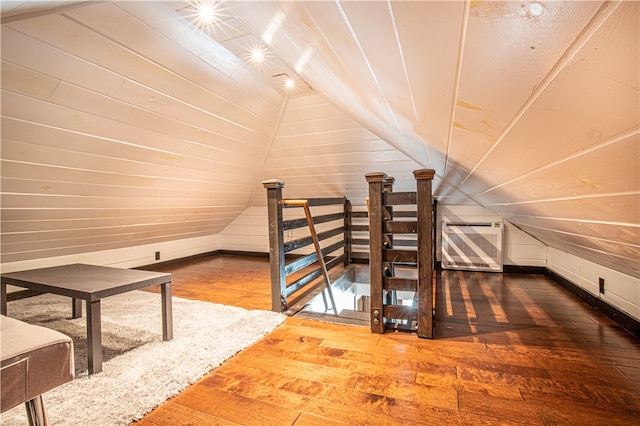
x=34 y=360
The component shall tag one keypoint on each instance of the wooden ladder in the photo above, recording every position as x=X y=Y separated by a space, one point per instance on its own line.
x=386 y=257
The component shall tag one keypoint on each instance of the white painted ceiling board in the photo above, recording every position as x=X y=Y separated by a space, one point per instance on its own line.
x=30 y=53
x=619 y=208
x=170 y=105
x=562 y=118
x=422 y=55
x=30 y=153
x=27 y=82
x=604 y=254
x=37 y=234
x=535 y=117
x=185 y=77
x=84 y=201
x=328 y=73
x=305 y=163
x=376 y=40
x=610 y=232
x=126 y=140
x=608 y=168
x=351 y=145
x=47 y=187
x=36 y=216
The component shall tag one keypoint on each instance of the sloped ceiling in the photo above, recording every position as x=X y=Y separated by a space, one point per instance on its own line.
x=125 y=123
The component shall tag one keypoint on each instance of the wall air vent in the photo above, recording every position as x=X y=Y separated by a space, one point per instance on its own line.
x=472 y=246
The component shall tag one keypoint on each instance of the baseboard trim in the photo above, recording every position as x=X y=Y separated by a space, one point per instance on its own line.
x=158 y=265
x=623 y=319
x=524 y=270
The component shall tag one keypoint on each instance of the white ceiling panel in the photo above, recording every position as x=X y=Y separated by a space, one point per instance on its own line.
x=528 y=108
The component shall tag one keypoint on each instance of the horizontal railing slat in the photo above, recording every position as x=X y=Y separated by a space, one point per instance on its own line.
x=394 y=227
x=307 y=260
x=400 y=312
x=398 y=198
x=303 y=281
x=404 y=243
x=397 y=255
x=360 y=242
x=402 y=284
x=302 y=222
x=405 y=213
x=361 y=255
x=303 y=242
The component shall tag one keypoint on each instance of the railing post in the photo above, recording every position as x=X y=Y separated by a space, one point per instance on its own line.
x=387 y=239
x=276 y=244
x=376 y=182
x=424 y=197
x=347 y=232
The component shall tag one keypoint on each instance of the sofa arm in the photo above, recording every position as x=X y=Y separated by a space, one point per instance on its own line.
x=34 y=360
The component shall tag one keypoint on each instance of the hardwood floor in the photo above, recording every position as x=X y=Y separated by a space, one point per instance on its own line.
x=509 y=349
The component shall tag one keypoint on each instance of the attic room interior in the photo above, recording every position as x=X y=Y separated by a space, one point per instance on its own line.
x=320 y=212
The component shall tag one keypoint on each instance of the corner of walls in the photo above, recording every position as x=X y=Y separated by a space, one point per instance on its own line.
x=130 y=257
x=621 y=291
x=248 y=232
x=521 y=249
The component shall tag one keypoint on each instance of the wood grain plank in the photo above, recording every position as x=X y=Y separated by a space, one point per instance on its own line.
x=327 y=373
x=233 y=407
x=174 y=414
x=310 y=420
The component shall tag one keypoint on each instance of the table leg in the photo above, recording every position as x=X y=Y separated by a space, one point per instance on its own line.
x=167 y=312
x=76 y=308
x=94 y=337
x=3 y=299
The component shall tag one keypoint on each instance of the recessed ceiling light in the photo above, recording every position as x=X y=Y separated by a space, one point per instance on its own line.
x=289 y=83
x=207 y=12
x=536 y=9
x=257 y=55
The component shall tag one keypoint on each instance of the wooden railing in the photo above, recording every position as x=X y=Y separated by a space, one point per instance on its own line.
x=294 y=276
x=385 y=257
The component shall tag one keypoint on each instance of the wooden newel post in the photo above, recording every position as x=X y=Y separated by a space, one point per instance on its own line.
x=376 y=185
x=347 y=231
x=276 y=244
x=424 y=201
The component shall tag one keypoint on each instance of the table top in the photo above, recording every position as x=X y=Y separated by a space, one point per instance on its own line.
x=88 y=282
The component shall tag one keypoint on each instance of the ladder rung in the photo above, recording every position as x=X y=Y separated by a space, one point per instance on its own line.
x=400 y=312
x=396 y=227
x=395 y=255
x=402 y=284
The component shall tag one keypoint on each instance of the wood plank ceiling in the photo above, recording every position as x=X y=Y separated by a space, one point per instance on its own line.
x=127 y=123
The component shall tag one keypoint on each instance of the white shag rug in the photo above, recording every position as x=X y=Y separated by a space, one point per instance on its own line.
x=140 y=371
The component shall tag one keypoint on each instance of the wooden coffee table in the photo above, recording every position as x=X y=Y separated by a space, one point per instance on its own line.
x=91 y=283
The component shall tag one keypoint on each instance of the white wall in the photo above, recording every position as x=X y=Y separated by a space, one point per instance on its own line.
x=130 y=257
x=248 y=232
x=621 y=291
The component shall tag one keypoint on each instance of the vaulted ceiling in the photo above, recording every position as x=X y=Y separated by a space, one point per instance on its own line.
x=131 y=122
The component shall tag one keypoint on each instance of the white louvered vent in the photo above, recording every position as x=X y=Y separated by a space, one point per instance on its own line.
x=472 y=246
